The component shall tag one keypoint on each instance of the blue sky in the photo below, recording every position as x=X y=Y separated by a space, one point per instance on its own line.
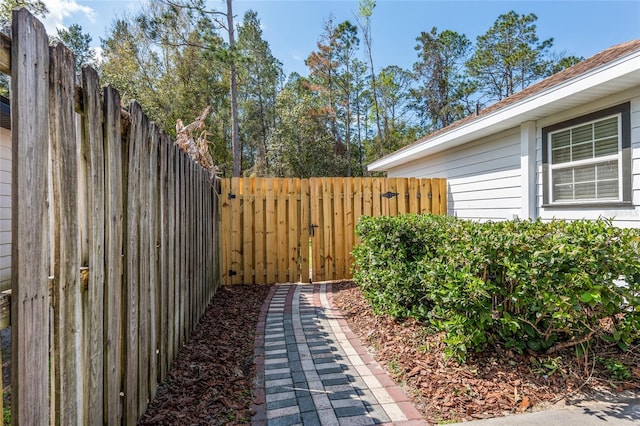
x=292 y=27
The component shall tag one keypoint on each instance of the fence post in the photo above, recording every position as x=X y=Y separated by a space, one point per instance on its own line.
x=30 y=224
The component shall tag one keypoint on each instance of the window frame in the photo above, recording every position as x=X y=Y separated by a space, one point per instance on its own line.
x=623 y=156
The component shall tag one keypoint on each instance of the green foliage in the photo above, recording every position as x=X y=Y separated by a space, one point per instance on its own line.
x=521 y=284
x=78 y=42
x=509 y=56
x=36 y=7
x=618 y=370
x=443 y=89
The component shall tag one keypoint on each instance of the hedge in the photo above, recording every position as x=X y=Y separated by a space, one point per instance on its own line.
x=531 y=285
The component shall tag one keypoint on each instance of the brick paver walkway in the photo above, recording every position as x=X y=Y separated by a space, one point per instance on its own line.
x=312 y=369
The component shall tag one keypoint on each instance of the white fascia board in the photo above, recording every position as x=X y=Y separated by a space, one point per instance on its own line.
x=512 y=115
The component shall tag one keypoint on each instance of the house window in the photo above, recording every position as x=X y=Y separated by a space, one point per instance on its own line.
x=587 y=160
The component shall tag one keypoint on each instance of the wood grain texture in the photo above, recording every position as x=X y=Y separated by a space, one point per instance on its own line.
x=30 y=224
x=93 y=147
x=67 y=321
x=114 y=230
x=132 y=284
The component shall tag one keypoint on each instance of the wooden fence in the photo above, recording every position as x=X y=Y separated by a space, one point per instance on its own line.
x=293 y=230
x=114 y=254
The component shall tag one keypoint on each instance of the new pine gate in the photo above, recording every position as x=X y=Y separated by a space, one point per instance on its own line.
x=297 y=230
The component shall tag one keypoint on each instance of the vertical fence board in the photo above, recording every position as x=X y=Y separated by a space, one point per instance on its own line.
x=401 y=189
x=316 y=263
x=272 y=222
x=66 y=256
x=338 y=235
x=259 y=235
x=414 y=200
x=443 y=195
x=248 y=231
x=163 y=334
x=435 y=197
x=348 y=225
x=183 y=243
x=327 y=212
x=154 y=278
x=144 y=267
x=281 y=230
x=225 y=229
x=236 y=231
x=293 y=246
x=425 y=196
x=30 y=224
x=304 y=230
x=114 y=251
x=172 y=292
x=94 y=147
x=358 y=205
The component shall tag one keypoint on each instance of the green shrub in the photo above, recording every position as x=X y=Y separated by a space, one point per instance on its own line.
x=522 y=284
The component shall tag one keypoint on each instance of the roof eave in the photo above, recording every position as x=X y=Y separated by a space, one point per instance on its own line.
x=532 y=107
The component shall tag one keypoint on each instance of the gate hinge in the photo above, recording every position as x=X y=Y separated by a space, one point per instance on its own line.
x=232 y=196
x=232 y=272
x=429 y=195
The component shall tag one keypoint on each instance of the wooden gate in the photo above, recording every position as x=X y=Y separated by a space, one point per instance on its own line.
x=297 y=230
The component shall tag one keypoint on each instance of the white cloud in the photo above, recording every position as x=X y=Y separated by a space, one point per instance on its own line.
x=61 y=9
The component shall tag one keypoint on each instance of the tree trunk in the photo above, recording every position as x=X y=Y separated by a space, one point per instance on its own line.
x=235 y=130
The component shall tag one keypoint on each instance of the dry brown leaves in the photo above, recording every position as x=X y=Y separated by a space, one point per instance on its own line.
x=211 y=380
x=192 y=139
x=490 y=384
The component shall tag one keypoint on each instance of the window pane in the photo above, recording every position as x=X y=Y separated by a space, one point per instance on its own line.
x=560 y=139
x=581 y=134
x=585 y=173
x=561 y=155
x=585 y=191
x=563 y=176
x=582 y=151
x=607 y=147
x=605 y=128
x=608 y=190
x=608 y=170
x=562 y=192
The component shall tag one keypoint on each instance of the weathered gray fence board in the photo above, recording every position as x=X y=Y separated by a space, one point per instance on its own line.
x=93 y=146
x=154 y=278
x=114 y=254
x=30 y=224
x=132 y=284
x=164 y=259
x=143 y=265
x=66 y=255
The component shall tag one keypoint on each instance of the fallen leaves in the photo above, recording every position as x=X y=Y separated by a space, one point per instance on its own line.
x=211 y=380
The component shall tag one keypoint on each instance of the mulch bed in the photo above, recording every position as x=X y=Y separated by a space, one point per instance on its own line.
x=490 y=384
x=211 y=380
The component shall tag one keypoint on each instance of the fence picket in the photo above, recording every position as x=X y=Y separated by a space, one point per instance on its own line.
x=94 y=152
x=30 y=223
x=114 y=249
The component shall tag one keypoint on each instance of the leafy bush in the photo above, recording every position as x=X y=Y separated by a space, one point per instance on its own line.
x=524 y=284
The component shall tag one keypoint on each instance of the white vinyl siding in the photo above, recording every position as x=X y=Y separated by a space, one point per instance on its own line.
x=483 y=177
x=5 y=208
x=622 y=216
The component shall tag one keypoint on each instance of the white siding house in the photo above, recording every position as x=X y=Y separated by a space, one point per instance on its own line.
x=567 y=147
x=5 y=195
